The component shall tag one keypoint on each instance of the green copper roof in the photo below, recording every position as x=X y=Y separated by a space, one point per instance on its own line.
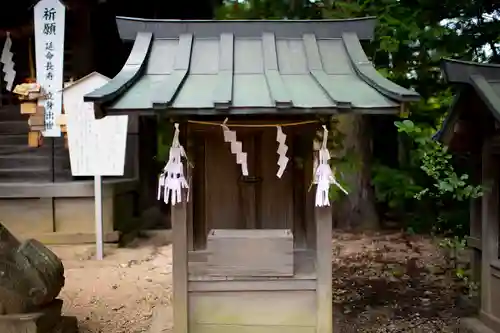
x=484 y=79
x=248 y=67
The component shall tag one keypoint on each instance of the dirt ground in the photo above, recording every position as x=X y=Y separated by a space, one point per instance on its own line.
x=382 y=283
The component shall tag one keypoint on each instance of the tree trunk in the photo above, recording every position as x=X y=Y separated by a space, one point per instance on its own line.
x=356 y=211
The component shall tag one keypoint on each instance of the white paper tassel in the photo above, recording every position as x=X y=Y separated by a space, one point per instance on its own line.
x=282 y=149
x=172 y=179
x=8 y=63
x=236 y=148
x=324 y=175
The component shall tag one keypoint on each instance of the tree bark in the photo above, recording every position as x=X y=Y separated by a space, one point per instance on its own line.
x=357 y=210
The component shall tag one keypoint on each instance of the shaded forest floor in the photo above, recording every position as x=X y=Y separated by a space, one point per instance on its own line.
x=381 y=283
x=393 y=283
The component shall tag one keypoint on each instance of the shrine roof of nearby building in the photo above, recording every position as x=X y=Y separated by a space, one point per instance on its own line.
x=248 y=67
x=484 y=79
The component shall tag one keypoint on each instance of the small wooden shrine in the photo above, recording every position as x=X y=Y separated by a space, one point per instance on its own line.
x=252 y=241
x=473 y=127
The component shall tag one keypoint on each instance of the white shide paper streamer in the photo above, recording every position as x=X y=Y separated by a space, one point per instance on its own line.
x=8 y=63
x=324 y=176
x=172 y=179
x=282 y=149
x=236 y=148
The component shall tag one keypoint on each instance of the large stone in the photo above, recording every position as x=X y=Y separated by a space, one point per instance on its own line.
x=31 y=276
x=47 y=320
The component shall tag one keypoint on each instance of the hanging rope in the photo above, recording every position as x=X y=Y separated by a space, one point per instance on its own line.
x=213 y=123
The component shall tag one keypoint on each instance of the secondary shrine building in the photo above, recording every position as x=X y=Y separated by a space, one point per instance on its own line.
x=252 y=250
x=473 y=128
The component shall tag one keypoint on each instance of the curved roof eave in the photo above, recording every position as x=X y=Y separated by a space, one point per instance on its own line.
x=367 y=72
x=129 y=74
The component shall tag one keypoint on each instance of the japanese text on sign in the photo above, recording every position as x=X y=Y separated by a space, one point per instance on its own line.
x=49 y=39
x=49 y=28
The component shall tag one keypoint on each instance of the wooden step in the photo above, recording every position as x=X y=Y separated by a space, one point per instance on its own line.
x=14 y=127
x=32 y=174
x=12 y=113
x=26 y=174
x=14 y=139
x=21 y=140
x=24 y=149
x=33 y=161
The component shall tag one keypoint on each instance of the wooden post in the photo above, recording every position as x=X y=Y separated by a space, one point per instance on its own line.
x=187 y=141
x=99 y=252
x=180 y=266
x=323 y=217
x=474 y=239
x=489 y=210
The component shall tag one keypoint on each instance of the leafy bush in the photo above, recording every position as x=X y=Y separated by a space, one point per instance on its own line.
x=427 y=193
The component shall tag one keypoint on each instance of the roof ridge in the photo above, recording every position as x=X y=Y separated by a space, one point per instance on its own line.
x=366 y=18
x=128 y=27
x=460 y=71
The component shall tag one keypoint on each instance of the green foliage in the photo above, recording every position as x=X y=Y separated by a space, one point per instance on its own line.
x=165 y=134
x=430 y=178
x=394 y=187
x=453 y=249
x=436 y=162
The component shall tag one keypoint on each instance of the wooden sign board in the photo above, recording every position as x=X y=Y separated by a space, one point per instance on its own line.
x=34 y=139
x=29 y=108
x=96 y=147
x=49 y=18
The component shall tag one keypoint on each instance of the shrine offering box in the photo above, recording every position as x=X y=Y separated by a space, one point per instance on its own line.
x=250 y=253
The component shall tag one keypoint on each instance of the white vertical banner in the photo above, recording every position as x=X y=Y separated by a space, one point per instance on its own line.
x=49 y=17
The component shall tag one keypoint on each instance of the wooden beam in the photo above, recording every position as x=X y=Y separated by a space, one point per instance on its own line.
x=324 y=321
x=180 y=266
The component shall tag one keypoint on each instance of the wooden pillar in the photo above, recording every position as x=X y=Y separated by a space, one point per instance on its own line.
x=190 y=147
x=180 y=267
x=474 y=239
x=323 y=217
x=489 y=212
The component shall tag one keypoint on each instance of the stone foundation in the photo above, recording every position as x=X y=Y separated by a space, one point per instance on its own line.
x=63 y=213
x=473 y=325
x=47 y=320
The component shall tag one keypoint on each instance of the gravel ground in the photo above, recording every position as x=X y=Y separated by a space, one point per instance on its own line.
x=382 y=283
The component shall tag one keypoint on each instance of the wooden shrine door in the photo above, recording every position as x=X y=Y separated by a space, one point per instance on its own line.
x=224 y=199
